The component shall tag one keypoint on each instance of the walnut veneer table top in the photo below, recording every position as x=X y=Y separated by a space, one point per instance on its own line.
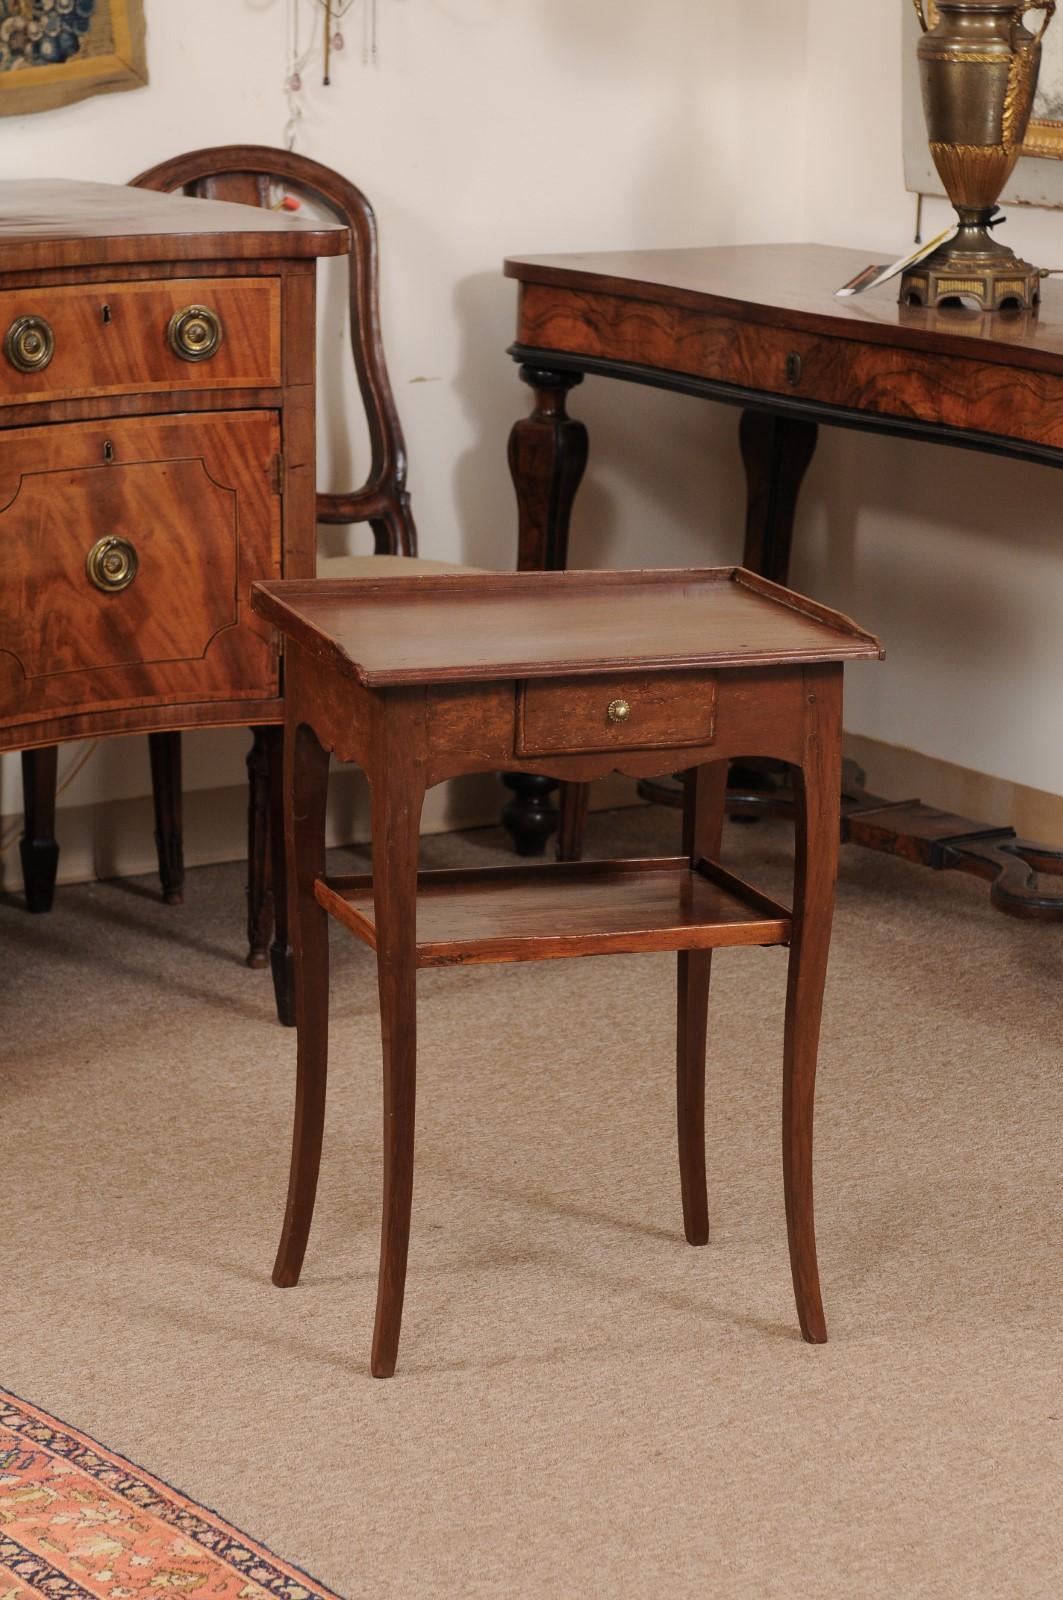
x=793 y=285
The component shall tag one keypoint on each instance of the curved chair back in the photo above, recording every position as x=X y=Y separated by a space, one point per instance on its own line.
x=246 y=174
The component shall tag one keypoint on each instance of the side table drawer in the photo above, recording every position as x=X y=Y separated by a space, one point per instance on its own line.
x=110 y=338
x=644 y=711
x=129 y=549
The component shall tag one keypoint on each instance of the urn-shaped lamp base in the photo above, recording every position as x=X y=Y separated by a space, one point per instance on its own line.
x=973 y=266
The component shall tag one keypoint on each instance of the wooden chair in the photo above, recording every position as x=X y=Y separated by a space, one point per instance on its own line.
x=251 y=174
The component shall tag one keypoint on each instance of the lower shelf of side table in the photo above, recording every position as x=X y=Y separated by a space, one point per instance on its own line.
x=541 y=912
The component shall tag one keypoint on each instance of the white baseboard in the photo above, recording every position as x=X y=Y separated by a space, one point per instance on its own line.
x=116 y=839
x=901 y=774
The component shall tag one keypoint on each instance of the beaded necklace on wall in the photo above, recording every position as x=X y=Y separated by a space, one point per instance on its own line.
x=328 y=15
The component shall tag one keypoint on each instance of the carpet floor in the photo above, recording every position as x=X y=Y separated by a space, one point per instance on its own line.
x=585 y=1406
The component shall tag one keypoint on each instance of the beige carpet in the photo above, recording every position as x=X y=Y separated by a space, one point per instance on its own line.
x=585 y=1406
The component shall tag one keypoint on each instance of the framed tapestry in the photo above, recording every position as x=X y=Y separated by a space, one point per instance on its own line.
x=53 y=52
x=1038 y=178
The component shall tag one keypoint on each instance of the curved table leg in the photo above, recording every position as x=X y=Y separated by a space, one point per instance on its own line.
x=703 y=813
x=309 y=765
x=817 y=784
x=397 y=790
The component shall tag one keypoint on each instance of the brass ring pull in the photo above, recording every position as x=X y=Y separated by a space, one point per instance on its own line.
x=112 y=564
x=921 y=14
x=29 y=344
x=618 y=710
x=1047 y=6
x=195 y=334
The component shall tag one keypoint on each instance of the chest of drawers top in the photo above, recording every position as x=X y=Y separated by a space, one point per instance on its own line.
x=62 y=224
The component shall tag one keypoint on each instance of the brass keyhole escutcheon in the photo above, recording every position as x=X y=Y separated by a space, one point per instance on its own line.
x=195 y=334
x=618 y=710
x=29 y=344
x=794 y=369
x=112 y=564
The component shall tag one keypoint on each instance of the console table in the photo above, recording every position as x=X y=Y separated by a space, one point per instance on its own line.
x=156 y=456
x=759 y=327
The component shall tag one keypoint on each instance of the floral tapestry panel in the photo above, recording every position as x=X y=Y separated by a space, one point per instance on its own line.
x=53 y=52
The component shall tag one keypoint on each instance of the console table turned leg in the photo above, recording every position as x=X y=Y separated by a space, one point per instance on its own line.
x=777 y=452
x=547 y=460
x=164 y=750
x=38 y=847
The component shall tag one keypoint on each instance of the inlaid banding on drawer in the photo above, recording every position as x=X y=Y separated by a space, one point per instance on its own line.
x=640 y=711
x=868 y=377
x=111 y=338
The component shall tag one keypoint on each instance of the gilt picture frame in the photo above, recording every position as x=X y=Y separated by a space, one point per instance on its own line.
x=56 y=52
x=1038 y=178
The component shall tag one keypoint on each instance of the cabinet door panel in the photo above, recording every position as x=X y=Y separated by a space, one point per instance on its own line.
x=190 y=501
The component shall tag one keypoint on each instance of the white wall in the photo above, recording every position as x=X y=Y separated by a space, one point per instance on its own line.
x=488 y=127
x=507 y=126
x=955 y=558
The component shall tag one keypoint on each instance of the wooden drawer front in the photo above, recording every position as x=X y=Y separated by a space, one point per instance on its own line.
x=193 y=498
x=1012 y=402
x=112 y=338
x=664 y=710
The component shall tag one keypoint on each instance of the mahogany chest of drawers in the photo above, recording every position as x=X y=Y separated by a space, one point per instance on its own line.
x=156 y=455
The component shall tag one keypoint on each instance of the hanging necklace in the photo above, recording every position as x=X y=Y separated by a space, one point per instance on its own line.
x=335 y=11
x=330 y=13
x=297 y=61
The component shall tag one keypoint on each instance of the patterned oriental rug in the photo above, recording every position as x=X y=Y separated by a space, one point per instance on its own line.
x=78 y=1522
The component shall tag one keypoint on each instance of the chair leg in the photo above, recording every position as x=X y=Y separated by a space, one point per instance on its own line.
x=38 y=848
x=259 y=876
x=164 y=750
x=281 y=955
x=397 y=796
x=309 y=764
x=703 y=814
x=574 y=801
x=817 y=786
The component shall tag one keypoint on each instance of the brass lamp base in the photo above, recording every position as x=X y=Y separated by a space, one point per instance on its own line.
x=974 y=265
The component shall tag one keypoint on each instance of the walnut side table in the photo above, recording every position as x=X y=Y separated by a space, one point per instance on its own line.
x=573 y=675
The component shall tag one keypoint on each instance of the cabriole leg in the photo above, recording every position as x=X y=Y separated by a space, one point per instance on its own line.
x=703 y=812
x=305 y=823
x=397 y=797
x=817 y=784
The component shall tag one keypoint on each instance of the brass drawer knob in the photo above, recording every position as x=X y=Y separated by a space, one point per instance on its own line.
x=618 y=710
x=195 y=334
x=29 y=344
x=112 y=564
